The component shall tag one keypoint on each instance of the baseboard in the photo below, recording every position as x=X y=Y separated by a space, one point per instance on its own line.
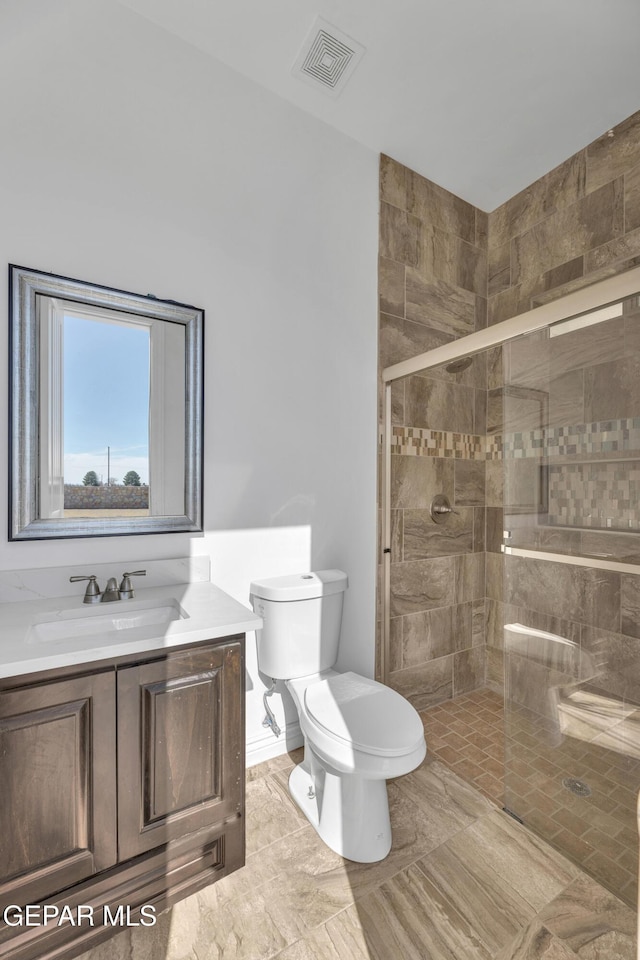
x=266 y=746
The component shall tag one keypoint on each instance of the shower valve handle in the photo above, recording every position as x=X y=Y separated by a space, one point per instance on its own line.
x=440 y=508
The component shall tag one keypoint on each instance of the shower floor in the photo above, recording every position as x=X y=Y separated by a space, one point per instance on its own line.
x=468 y=735
x=598 y=831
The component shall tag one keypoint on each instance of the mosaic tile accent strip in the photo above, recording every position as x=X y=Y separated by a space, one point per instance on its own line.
x=583 y=439
x=600 y=494
x=421 y=442
x=519 y=446
x=494 y=447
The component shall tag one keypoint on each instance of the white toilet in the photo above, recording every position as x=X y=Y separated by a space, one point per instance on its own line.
x=357 y=732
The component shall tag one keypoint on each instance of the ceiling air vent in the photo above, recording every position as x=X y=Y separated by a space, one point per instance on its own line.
x=328 y=58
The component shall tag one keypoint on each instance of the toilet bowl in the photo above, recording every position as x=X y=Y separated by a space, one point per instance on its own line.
x=357 y=735
x=357 y=732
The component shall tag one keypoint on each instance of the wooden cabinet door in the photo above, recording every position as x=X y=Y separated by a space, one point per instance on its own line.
x=180 y=745
x=57 y=785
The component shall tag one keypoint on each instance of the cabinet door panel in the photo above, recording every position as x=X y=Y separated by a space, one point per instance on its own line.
x=57 y=785
x=180 y=745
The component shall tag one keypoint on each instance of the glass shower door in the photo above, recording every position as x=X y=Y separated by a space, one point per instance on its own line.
x=567 y=419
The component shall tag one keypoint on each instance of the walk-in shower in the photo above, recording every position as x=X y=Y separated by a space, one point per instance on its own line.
x=531 y=429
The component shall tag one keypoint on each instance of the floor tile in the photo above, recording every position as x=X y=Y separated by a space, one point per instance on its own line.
x=447 y=801
x=473 y=889
x=540 y=760
x=592 y=922
x=270 y=813
x=463 y=881
x=342 y=938
x=515 y=856
x=535 y=942
x=409 y=918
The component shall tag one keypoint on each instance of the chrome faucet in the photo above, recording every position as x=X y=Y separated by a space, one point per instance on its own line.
x=111 y=591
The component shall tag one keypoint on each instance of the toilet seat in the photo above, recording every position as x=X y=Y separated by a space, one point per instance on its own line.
x=364 y=714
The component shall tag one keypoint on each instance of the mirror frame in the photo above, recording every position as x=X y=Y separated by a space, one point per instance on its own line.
x=25 y=285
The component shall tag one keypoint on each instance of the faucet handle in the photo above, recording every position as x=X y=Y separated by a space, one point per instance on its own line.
x=126 y=590
x=92 y=593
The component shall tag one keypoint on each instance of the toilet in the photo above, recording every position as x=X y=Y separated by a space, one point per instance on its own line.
x=357 y=732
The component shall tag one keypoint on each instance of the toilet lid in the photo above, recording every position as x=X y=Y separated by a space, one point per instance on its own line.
x=372 y=717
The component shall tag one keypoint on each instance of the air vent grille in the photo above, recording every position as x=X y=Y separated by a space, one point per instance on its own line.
x=328 y=58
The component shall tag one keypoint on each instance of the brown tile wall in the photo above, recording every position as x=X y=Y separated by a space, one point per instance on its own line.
x=578 y=224
x=447 y=269
x=433 y=285
x=572 y=227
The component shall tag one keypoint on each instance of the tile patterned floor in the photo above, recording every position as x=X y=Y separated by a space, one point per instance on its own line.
x=599 y=830
x=463 y=881
x=594 y=741
x=468 y=735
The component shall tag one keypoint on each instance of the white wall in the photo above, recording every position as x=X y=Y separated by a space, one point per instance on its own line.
x=130 y=159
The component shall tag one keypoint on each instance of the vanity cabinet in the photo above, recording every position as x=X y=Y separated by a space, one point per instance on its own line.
x=121 y=785
x=179 y=747
x=57 y=785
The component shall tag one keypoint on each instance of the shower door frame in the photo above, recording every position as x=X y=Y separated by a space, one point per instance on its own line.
x=588 y=298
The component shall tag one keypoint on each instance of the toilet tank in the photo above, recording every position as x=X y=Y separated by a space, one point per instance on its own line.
x=301 y=614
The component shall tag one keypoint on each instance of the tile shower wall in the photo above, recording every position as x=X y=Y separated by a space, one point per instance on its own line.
x=578 y=224
x=573 y=227
x=432 y=284
x=597 y=494
x=586 y=381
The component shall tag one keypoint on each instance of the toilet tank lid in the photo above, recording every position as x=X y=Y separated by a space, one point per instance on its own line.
x=300 y=586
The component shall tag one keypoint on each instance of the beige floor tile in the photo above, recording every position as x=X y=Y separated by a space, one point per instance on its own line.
x=271 y=813
x=248 y=928
x=313 y=884
x=262 y=867
x=536 y=943
x=449 y=802
x=407 y=917
x=284 y=762
x=592 y=922
x=474 y=889
x=342 y=938
x=534 y=871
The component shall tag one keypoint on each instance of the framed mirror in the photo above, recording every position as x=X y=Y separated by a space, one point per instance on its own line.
x=106 y=402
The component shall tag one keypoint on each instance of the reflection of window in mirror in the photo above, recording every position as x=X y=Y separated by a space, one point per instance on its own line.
x=108 y=386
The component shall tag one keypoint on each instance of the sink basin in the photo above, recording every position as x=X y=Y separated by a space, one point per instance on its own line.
x=119 y=617
x=45 y=633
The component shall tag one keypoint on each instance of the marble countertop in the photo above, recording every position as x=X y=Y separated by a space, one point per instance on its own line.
x=44 y=634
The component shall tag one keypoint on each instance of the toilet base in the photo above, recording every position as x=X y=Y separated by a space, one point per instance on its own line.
x=350 y=814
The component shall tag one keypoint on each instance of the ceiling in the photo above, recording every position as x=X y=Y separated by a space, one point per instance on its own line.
x=482 y=97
